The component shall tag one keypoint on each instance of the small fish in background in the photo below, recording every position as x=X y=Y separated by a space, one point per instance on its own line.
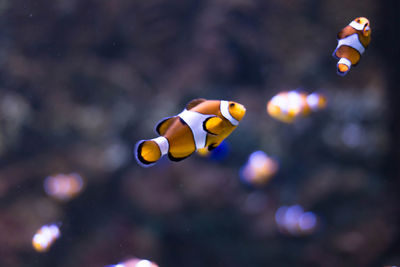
x=63 y=187
x=134 y=262
x=203 y=124
x=259 y=169
x=45 y=237
x=294 y=221
x=352 y=42
x=288 y=105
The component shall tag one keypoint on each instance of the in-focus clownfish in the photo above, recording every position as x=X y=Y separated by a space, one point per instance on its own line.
x=352 y=42
x=288 y=105
x=203 y=124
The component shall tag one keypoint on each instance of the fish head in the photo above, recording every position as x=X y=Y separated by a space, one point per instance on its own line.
x=366 y=25
x=236 y=110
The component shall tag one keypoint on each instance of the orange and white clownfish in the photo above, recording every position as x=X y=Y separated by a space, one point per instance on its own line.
x=352 y=42
x=288 y=105
x=203 y=124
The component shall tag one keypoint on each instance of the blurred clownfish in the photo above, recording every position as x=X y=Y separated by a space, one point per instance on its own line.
x=135 y=262
x=288 y=105
x=64 y=186
x=204 y=124
x=352 y=42
x=259 y=169
x=45 y=237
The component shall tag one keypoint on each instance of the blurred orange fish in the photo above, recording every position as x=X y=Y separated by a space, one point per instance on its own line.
x=45 y=237
x=287 y=106
x=135 y=263
x=259 y=169
x=63 y=186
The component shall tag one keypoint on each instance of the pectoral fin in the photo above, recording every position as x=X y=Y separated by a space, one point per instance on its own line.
x=164 y=124
x=213 y=125
x=212 y=146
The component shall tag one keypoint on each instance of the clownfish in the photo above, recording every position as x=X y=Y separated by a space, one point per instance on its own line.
x=64 y=186
x=45 y=237
x=287 y=106
x=202 y=125
x=352 y=42
x=135 y=263
x=259 y=169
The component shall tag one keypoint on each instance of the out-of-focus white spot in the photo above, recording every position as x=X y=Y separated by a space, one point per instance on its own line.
x=352 y=135
x=291 y=218
x=116 y=155
x=14 y=108
x=307 y=221
x=294 y=221
x=313 y=100
x=280 y=216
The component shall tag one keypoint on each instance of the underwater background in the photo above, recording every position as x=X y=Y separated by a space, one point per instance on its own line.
x=82 y=81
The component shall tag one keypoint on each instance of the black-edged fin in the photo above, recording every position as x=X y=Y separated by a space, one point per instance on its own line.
x=213 y=125
x=164 y=124
x=212 y=146
x=194 y=103
x=172 y=158
x=138 y=155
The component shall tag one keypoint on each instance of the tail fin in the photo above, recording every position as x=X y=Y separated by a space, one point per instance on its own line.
x=148 y=152
x=343 y=66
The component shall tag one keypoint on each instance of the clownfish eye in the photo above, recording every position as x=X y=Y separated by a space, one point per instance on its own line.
x=231 y=105
x=358 y=20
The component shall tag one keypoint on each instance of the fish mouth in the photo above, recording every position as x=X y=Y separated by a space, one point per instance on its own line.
x=366 y=29
x=241 y=111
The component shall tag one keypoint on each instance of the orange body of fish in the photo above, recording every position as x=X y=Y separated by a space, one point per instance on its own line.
x=204 y=124
x=352 y=42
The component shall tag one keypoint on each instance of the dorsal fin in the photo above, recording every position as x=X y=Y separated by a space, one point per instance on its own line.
x=164 y=124
x=194 y=103
x=340 y=35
